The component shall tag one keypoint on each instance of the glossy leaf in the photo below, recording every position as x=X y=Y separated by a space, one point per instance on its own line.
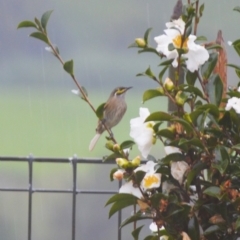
x=100 y=110
x=193 y=228
x=160 y=76
x=136 y=232
x=175 y=157
x=166 y=63
x=191 y=89
x=146 y=34
x=215 y=89
x=112 y=157
x=159 y=116
x=26 y=23
x=208 y=66
x=236 y=45
x=139 y=175
x=134 y=218
x=222 y=159
x=148 y=49
x=166 y=133
x=187 y=127
x=211 y=230
x=68 y=67
x=213 y=109
x=151 y=238
x=196 y=169
x=237 y=146
x=151 y=93
x=127 y=144
x=213 y=191
x=214 y=46
x=45 y=18
x=237 y=9
x=39 y=36
x=122 y=202
x=238 y=223
x=191 y=77
x=196 y=142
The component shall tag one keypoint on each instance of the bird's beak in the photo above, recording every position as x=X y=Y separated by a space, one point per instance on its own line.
x=128 y=88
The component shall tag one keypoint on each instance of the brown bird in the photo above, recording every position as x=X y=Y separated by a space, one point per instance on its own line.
x=114 y=110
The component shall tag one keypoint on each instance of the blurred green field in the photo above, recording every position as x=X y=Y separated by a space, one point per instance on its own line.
x=58 y=123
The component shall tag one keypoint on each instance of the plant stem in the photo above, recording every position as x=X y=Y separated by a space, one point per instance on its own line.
x=196 y=19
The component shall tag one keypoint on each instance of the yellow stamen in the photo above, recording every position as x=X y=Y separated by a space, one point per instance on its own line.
x=177 y=42
x=150 y=180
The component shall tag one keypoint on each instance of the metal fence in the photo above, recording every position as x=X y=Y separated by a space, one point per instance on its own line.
x=74 y=191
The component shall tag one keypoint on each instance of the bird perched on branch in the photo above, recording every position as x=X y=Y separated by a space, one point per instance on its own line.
x=114 y=109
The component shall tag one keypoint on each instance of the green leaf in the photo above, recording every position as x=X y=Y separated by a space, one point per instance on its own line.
x=134 y=218
x=39 y=36
x=123 y=201
x=201 y=9
x=148 y=49
x=155 y=199
x=166 y=63
x=136 y=232
x=237 y=146
x=85 y=92
x=68 y=67
x=146 y=34
x=149 y=73
x=191 y=77
x=236 y=45
x=150 y=237
x=100 y=110
x=139 y=175
x=127 y=144
x=45 y=18
x=173 y=157
x=221 y=160
x=191 y=89
x=215 y=89
x=151 y=93
x=213 y=191
x=192 y=142
x=160 y=76
x=187 y=127
x=196 y=169
x=213 y=109
x=234 y=66
x=208 y=66
x=214 y=46
x=237 y=9
x=193 y=228
x=38 y=23
x=159 y=116
x=201 y=38
x=211 y=230
x=238 y=223
x=166 y=133
x=26 y=23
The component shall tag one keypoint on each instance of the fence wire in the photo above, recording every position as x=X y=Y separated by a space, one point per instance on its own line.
x=74 y=190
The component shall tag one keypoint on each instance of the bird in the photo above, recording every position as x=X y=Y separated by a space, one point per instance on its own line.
x=114 y=109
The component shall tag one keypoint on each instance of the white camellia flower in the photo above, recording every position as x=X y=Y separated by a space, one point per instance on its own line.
x=142 y=132
x=151 y=178
x=178 y=168
x=234 y=103
x=195 y=54
x=129 y=188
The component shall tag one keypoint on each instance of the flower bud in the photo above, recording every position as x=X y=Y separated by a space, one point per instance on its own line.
x=123 y=163
x=180 y=98
x=109 y=145
x=136 y=161
x=116 y=147
x=160 y=89
x=118 y=175
x=140 y=42
x=168 y=84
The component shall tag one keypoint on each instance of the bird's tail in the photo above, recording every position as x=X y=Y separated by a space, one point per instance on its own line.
x=94 y=141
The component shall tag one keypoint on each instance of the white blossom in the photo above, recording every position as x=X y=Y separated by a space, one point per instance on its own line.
x=195 y=54
x=130 y=189
x=178 y=170
x=151 y=179
x=142 y=132
x=234 y=103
